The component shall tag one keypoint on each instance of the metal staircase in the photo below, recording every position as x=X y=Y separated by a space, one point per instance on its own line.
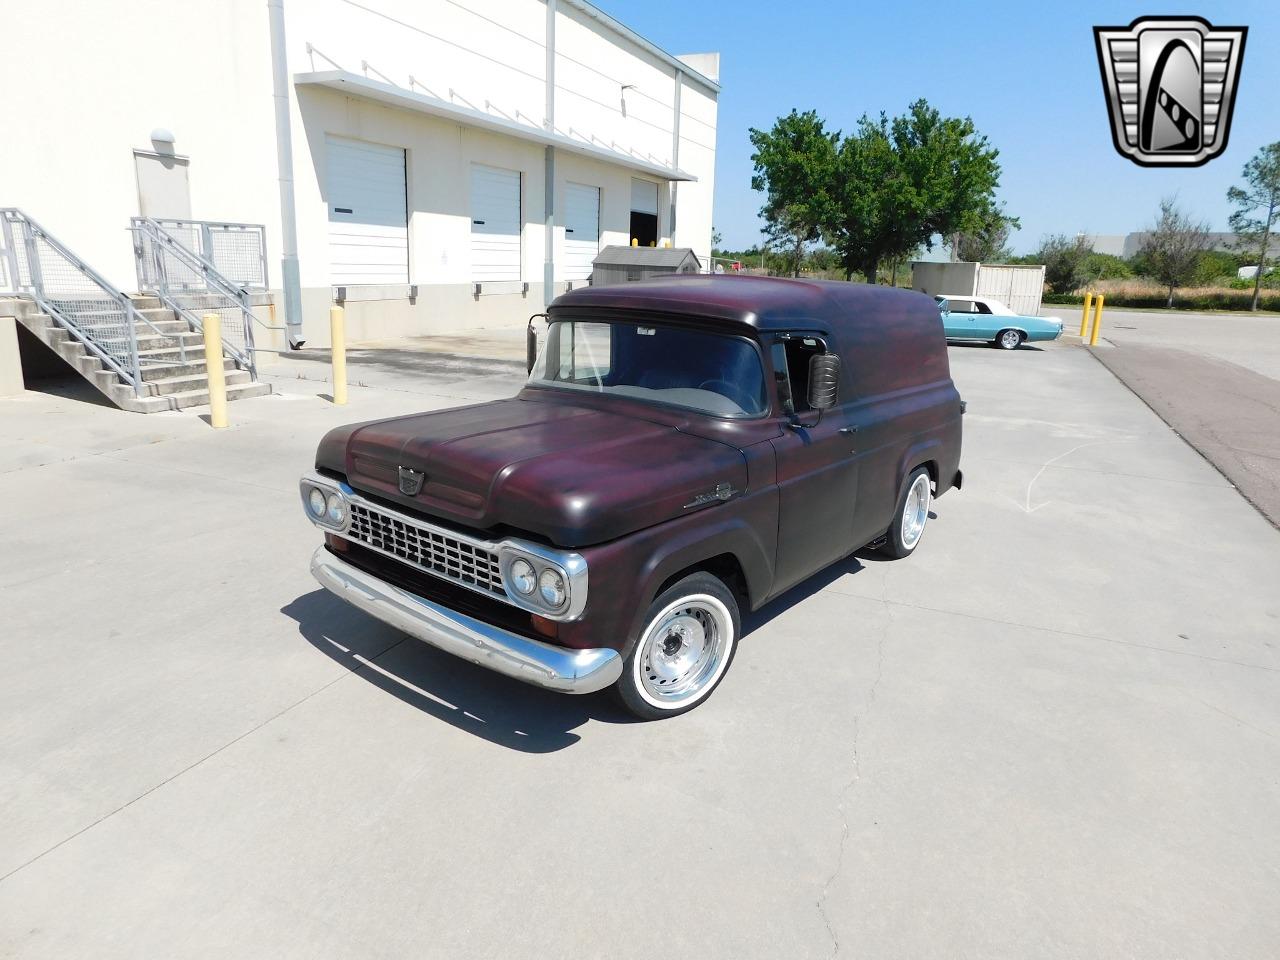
x=144 y=354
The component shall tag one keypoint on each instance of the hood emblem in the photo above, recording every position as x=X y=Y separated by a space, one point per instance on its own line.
x=411 y=481
x=722 y=492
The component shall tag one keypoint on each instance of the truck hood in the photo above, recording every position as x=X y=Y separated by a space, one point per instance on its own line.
x=575 y=475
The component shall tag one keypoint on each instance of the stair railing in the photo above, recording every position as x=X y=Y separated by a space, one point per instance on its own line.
x=238 y=251
x=189 y=284
x=76 y=297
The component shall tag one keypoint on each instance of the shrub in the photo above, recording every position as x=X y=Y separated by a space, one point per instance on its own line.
x=1141 y=294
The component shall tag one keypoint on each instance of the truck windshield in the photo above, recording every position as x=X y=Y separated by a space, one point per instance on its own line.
x=711 y=373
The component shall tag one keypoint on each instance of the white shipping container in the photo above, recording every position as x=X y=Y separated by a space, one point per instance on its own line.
x=1020 y=288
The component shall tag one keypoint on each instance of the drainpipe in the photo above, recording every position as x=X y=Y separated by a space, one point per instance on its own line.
x=549 y=196
x=284 y=163
x=675 y=155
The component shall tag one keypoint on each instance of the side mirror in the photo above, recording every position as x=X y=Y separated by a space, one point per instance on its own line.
x=531 y=344
x=944 y=306
x=824 y=380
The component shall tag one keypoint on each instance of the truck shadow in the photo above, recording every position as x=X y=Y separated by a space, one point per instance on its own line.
x=488 y=705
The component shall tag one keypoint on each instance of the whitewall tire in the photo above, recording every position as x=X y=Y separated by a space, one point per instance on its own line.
x=689 y=637
x=912 y=514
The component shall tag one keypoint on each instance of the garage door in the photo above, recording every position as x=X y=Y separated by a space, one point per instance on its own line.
x=495 y=223
x=368 y=217
x=581 y=230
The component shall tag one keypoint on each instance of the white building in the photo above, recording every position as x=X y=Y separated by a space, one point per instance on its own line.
x=433 y=163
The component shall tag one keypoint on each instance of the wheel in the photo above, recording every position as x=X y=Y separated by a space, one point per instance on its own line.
x=689 y=636
x=1009 y=339
x=912 y=515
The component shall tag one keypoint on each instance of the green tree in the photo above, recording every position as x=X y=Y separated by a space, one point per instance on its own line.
x=1216 y=267
x=989 y=241
x=794 y=166
x=901 y=182
x=1106 y=266
x=1065 y=261
x=1173 y=246
x=1257 y=208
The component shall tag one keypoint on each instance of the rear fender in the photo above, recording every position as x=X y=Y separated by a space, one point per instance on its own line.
x=923 y=452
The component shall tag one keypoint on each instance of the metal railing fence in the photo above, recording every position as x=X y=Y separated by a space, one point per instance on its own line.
x=77 y=297
x=238 y=251
x=191 y=286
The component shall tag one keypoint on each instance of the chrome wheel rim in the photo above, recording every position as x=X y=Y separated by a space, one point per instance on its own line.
x=683 y=650
x=1010 y=340
x=915 y=513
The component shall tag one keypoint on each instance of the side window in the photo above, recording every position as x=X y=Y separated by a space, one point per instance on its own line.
x=778 y=353
x=980 y=307
x=793 y=371
x=962 y=306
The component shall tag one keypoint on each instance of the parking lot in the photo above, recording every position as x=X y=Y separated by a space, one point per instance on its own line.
x=1052 y=732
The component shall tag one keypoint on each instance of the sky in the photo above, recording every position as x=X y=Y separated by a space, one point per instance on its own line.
x=1026 y=72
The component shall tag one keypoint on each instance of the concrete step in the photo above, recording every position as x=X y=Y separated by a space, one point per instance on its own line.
x=143 y=301
x=156 y=313
x=174 y=355
x=162 y=324
x=155 y=341
x=124 y=398
x=190 y=369
x=193 y=383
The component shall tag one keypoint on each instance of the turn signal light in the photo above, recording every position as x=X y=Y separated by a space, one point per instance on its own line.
x=548 y=628
x=336 y=543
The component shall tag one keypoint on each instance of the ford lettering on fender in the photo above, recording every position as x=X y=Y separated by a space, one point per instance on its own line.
x=685 y=449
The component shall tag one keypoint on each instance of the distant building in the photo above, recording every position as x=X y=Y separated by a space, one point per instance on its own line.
x=1222 y=242
x=1109 y=243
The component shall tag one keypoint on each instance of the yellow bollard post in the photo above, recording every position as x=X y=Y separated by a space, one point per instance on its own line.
x=213 y=369
x=1084 y=317
x=1097 y=322
x=338 y=337
x=635 y=241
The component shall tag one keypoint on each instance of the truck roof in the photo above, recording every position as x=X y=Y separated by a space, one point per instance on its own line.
x=765 y=303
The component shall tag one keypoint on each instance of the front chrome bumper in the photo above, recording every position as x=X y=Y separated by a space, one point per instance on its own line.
x=542 y=664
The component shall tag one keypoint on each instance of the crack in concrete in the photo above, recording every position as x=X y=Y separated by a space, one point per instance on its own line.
x=846 y=792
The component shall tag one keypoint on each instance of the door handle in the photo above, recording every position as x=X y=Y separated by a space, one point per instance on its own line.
x=342 y=210
x=478 y=223
x=848 y=431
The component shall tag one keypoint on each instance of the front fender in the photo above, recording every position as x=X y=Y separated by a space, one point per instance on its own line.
x=627 y=573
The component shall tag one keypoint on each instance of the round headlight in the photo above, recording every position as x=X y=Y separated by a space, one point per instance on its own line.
x=551 y=586
x=315 y=502
x=337 y=509
x=522 y=577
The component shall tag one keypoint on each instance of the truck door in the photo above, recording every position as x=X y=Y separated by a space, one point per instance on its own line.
x=817 y=465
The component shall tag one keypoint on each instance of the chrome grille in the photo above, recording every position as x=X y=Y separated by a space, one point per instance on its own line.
x=429 y=548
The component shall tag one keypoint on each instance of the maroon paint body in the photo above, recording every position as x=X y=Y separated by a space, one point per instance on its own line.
x=611 y=477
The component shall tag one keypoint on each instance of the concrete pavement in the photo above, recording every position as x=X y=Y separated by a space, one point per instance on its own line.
x=1248 y=340
x=1053 y=732
x=1214 y=378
